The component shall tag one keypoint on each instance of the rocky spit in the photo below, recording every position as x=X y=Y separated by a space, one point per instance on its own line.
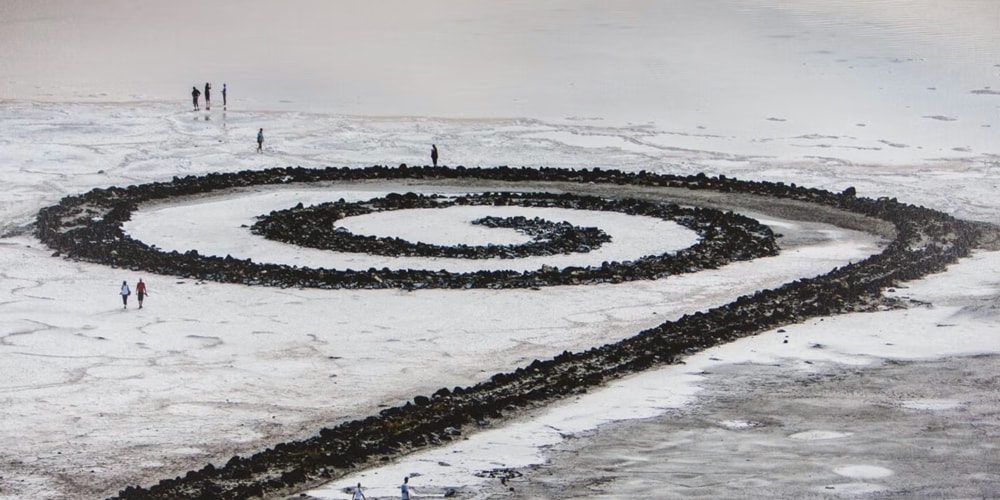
x=315 y=227
x=88 y=227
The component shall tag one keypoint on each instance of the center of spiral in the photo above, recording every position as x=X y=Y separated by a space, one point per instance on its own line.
x=316 y=227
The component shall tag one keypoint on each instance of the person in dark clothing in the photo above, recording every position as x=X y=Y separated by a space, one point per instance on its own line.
x=223 y=96
x=208 y=96
x=260 y=141
x=195 y=93
x=434 y=155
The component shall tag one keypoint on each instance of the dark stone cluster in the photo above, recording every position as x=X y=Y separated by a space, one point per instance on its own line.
x=550 y=237
x=89 y=227
x=926 y=241
x=315 y=227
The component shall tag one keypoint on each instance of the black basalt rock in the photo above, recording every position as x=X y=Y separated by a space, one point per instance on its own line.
x=87 y=227
x=725 y=237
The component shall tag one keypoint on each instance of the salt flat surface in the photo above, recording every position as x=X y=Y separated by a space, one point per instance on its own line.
x=896 y=98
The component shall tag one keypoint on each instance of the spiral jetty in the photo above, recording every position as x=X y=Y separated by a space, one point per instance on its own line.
x=88 y=227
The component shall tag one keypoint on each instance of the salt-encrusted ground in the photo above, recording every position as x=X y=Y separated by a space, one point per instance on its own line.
x=896 y=99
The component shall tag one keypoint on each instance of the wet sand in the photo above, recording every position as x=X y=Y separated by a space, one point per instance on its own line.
x=924 y=429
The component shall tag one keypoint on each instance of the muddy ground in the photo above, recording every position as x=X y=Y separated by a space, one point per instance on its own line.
x=927 y=429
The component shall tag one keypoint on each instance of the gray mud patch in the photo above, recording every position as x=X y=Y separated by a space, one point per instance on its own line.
x=928 y=429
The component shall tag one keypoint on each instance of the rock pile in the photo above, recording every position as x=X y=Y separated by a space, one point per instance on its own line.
x=926 y=241
x=89 y=228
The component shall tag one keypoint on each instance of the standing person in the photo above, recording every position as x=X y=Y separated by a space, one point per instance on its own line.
x=140 y=291
x=223 y=96
x=195 y=93
x=404 y=489
x=358 y=494
x=125 y=292
x=434 y=155
x=208 y=96
x=260 y=141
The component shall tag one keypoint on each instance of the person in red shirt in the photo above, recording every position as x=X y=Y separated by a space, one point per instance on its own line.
x=140 y=291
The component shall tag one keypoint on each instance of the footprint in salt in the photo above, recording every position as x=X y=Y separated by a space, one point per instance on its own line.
x=817 y=435
x=740 y=424
x=853 y=489
x=587 y=318
x=863 y=471
x=860 y=474
x=932 y=404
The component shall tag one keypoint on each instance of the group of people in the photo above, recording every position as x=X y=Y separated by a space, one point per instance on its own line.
x=195 y=94
x=140 y=293
x=404 y=491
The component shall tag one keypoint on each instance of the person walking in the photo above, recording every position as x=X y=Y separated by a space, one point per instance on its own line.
x=195 y=93
x=208 y=96
x=223 y=96
x=404 y=489
x=125 y=292
x=140 y=292
x=358 y=494
x=434 y=154
x=260 y=141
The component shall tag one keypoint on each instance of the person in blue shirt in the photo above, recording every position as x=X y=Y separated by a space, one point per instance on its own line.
x=404 y=489
x=125 y=292
x=358 y=494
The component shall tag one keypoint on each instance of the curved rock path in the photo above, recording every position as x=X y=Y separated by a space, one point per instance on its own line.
x=924 y=241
